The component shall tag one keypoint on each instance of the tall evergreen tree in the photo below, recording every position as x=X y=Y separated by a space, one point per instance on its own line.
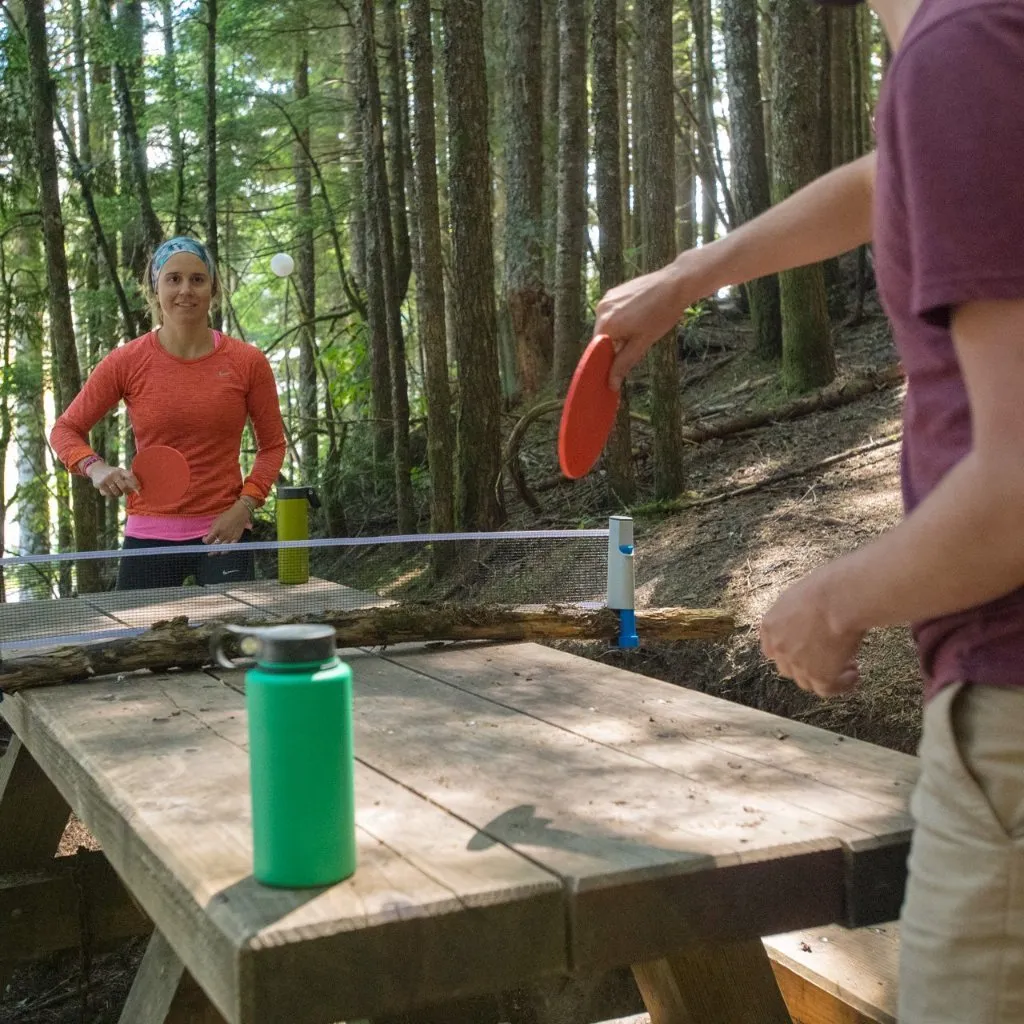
x=475 y=317
x=656 y=162
x=529 y=304
x=808 y=360
x=751 y=186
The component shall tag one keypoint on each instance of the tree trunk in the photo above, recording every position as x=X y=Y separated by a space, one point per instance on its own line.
x=397 y=127
x=173 y=116
x=127 y=76
x=701 y=13
x=108 y=330
x=29 y=389
x=430 y=276
x=625 y=150
x=89 y=245
x=608 y=183
x=378 y=208
x=549 y=46
x=476 y=343
x=841 y=75
x=751 y=186
x=572 y=200
x=306 y=267
x=67 y=375
x=686 y=176
x=656 y=158
x=210 y=63
x=376 y=309
x=808 y=360
x=529 y=304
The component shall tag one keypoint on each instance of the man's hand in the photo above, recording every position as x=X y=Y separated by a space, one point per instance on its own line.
x=801 y=637
x=636 y=314
x=229 y=526
x=111 y=481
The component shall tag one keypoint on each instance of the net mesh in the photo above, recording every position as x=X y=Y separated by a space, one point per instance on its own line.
x=51 y=601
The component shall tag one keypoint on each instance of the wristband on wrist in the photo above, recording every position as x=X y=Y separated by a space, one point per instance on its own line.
x=248 y=502
x=89 y=460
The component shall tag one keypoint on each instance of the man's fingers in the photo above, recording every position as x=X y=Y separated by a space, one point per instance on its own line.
x=628 y=356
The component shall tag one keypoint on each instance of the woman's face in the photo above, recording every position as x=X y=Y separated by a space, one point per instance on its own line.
x=184 y=289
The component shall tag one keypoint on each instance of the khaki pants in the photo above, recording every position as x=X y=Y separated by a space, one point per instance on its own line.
x=962 y=926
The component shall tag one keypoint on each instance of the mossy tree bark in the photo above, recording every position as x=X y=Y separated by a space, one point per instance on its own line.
x=751 y=186
x=808 y=359
x=656 y=173
x=479 y=506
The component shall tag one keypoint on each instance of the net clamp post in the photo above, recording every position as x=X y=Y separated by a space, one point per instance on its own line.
x=621 y=578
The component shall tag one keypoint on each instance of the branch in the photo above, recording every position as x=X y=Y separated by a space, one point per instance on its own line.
x=346 y=281
x=176 y=644
x=131 y=326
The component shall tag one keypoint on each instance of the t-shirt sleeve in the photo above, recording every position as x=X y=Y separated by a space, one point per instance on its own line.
x=961 y=140
x=264 y=407
x=101 y=392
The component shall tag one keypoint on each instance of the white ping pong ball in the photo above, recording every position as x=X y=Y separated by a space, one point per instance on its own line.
x=282 y=264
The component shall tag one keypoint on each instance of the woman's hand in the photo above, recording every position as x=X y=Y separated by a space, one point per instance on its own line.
x=229 y=526
x=111 y=481
x=639 y=312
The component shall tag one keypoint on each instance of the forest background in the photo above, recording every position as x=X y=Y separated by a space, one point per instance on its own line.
x=458 y=182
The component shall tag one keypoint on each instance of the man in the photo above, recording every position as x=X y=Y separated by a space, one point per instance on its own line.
x=942 y=199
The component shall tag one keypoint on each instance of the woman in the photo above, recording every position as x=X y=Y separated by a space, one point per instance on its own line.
x=190 y=388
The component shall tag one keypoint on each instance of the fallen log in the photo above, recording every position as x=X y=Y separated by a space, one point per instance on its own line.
x=176 y=644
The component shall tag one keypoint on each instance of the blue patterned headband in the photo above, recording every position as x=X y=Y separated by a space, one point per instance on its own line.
x=180 y=244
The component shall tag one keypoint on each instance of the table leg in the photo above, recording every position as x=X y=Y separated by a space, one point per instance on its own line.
x=165 y=993
x=730 y=983
x=33 y=816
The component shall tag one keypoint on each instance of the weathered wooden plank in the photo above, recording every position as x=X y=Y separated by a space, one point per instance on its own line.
x=39 y=620
x=849 y=976
x=313 y=597
x=653 y=859
x=163 y=992
x=847 y=780
x=55 y=908
x=520 y=675
x=157 y=770
x=731 y=983
x=850 y=781
x=141 y=608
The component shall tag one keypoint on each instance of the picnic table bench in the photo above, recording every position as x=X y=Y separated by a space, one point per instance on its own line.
x=522 y=814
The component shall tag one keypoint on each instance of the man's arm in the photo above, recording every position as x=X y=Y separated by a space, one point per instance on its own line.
x=963 y=546
x=830 y=216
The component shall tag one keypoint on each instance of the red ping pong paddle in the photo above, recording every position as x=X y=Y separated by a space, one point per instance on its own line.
x=163 y=474
x=589 y=410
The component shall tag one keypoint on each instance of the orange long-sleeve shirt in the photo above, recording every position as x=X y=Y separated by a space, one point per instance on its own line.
x=198 y=406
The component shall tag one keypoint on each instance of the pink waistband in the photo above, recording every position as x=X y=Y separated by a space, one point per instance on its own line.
x=168 y=527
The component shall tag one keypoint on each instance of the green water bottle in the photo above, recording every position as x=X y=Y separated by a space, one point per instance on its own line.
x=293 y=505
x=299 y=701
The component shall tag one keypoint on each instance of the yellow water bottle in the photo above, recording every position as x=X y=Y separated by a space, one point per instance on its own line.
x=293 y=505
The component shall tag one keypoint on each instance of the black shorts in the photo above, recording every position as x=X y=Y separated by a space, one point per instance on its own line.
x=144 y=572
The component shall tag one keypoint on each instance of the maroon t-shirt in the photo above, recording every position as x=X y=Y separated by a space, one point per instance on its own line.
x=949 y=229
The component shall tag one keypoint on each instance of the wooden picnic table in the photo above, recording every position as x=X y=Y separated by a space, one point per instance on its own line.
x=522 y=814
